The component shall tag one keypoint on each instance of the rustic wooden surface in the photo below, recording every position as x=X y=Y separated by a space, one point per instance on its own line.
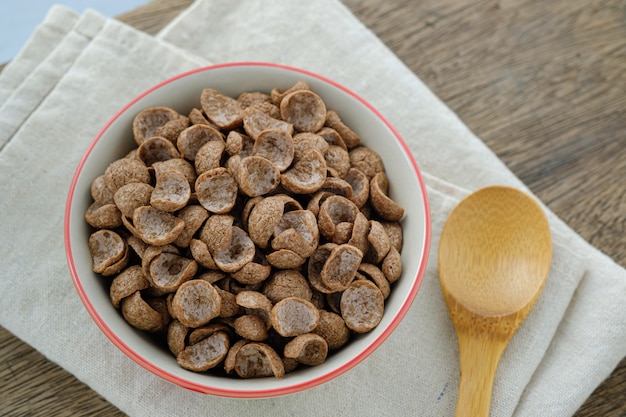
x=542 y=83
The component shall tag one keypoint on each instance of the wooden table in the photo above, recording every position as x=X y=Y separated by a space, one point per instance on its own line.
x=542 y=83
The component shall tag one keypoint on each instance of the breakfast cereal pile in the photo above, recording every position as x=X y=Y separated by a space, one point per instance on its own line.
x=253 y=235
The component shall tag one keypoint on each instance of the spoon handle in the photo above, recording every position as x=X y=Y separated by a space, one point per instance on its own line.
x=479 y=357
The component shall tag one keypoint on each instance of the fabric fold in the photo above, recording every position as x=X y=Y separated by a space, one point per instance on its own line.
x=42 y=79
x=57 y=23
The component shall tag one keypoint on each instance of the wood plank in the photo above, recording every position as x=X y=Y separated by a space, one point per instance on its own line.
x=31 y=385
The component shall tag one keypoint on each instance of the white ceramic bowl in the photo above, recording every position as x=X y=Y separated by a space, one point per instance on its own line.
x=182 y=93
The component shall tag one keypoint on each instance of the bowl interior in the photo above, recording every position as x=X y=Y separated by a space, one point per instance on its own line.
x=182 y=94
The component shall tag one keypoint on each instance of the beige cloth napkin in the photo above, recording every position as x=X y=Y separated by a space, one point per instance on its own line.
x=577 y=332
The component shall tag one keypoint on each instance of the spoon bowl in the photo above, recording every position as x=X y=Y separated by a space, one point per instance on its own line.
x=494 y=257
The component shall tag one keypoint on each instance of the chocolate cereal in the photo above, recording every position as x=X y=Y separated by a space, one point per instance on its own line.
x=251 y=236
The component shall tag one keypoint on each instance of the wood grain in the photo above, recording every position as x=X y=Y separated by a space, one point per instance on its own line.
x=542 y=83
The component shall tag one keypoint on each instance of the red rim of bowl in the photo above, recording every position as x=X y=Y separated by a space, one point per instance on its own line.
x=261 y=393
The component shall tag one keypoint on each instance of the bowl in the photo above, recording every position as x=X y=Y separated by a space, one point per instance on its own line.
x=182 y=94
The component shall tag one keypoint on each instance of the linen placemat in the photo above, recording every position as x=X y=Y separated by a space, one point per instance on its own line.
x=331 y=41
x=415 y=371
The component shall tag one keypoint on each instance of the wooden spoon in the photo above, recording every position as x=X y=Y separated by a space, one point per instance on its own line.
x=494 y=257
